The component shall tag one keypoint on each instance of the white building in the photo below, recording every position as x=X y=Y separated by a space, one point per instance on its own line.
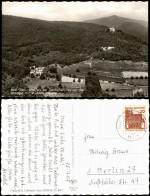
x=37 y=71
x=112 y=29
x=107 y=48
x=70 y=79
x=88 y=63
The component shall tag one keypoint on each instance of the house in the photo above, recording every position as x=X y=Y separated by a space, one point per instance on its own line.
x=107 y=48
x=112 y=29
x=88 y=63
x=37 y=71
x=66 y=79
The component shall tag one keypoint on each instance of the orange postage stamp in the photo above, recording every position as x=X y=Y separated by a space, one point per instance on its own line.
x=131 y=124
x=134 y=118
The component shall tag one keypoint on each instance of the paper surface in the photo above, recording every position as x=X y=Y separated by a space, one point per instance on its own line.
x=75 y=147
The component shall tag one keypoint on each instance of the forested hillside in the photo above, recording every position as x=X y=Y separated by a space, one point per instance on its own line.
x=135 y=29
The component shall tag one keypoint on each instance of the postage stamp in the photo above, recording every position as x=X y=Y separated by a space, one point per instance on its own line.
x=134 y=118
x=131 y=124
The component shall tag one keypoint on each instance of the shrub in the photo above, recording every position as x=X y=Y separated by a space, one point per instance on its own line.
x=131 y=77
x=113 y=96
x=113 y=90
x=77 y=70
x=52 y=76
x=107 y=89
x=74 y=80
x=106 y=95
x=136 y=78
x=39 y=87
x=139 y=94
x=146 y=77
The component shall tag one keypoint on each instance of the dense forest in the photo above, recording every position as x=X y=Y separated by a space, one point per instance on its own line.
x=27 y=42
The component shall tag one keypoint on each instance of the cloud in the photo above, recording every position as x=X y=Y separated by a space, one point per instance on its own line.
x=75 y=11
x=141 y=10
x=114 y=7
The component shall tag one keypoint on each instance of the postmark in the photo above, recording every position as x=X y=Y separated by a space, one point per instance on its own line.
x=131 y=124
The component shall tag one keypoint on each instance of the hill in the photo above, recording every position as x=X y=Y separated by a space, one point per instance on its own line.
x=138 y=28
x=135 y=29
x=31 y=42
x=115 y=21
x=27 y=37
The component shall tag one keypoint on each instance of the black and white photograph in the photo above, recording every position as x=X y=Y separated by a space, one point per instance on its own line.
x=75 y=49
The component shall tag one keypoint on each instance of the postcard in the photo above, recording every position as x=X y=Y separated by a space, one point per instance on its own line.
x=75 y=147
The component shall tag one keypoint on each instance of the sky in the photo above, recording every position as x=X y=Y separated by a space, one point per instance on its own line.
x=76 y=11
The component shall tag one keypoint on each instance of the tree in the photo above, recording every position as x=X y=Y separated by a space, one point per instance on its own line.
x=53 y=69
x=60 y=85
x=93 y=87
x=79 y=80
x=89 y=73
x=39 y=87
x=32 y=75
x=74 y=80
x=42 y=77
x=58 y=77
x=65 y=89
x=139 y=94
x=77 y=70
x=141 y=77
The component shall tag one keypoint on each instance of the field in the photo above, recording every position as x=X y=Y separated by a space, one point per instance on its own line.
x=109 y=73
x=134 y=74
x=137 y=82
x=33 y=83
x=104 y=68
